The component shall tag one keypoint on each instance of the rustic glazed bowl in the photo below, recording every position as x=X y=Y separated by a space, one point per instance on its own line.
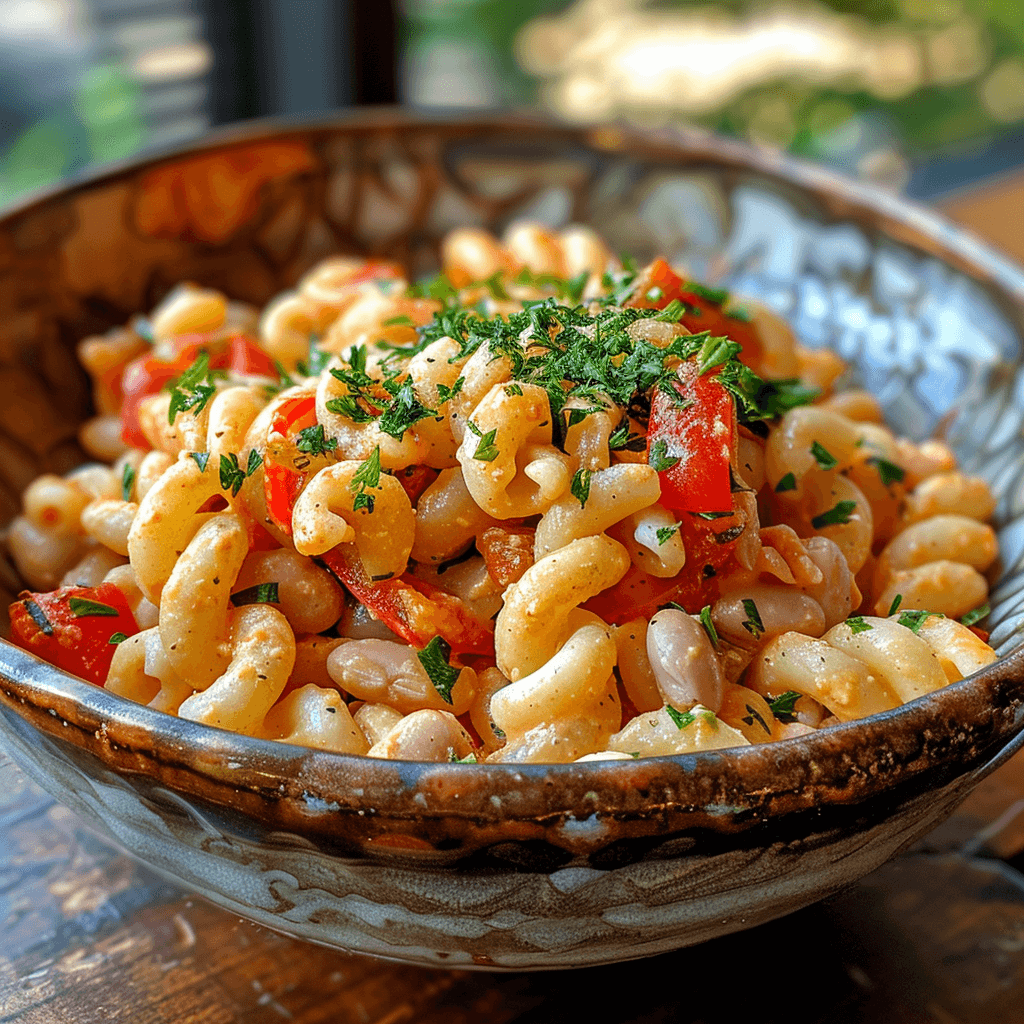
x=541 y=866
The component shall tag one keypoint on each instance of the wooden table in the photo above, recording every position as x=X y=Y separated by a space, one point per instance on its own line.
x=936 y=937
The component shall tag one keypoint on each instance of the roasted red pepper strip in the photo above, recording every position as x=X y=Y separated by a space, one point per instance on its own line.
x=694 y=429
x=72 y=627
x=282 y=481
x=414 y=609
x=147 y=375
x=700 y=313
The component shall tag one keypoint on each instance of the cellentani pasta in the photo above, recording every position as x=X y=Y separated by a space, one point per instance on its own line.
x=545 y=507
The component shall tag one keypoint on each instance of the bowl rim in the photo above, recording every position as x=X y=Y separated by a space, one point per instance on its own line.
x=837 y=765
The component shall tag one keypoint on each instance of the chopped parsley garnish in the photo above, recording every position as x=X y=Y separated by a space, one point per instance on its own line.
x=127 y=482
x=716 y=296
x=404 y=410
x=858 y=625
x=201 y=459
x=713 y=515
x=784 y=706
x=254 y=462
x=117 y=638
x=888 y=471
x=752 y=624
x=823 y=457
x=580 y=486
x=470 y=758
x=434 y=659
x=313 y=441
x=486 y=450
x=709 y=626
x=82 y=607
x=621 y=438
x=672 y=313
x=977 y=614
x=446 y=394
x=838 y=515
x=193 y=389
x=399 y=321
x=787 y=483
x=658 y=457
x=318 y=359
x=232 y=476
x=262 y=593
x=513 y=389
x=681 y=718
x=664 y=533
x=896 y=602
x=367 y=475
x=915 y=620
x=716 y=352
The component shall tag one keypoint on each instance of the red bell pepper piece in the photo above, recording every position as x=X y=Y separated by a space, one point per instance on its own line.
x=414 y=609
x=148 y=375
x=700 y=314
x=693 y=431
x=282 y=479
x=72 y=627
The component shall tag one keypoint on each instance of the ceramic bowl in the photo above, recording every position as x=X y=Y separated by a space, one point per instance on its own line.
x=542 y=866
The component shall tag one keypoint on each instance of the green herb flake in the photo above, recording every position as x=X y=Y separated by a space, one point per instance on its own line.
x=470 y=758
x=672 y=313
x=82 y=607
x=254 y=463
x=787 y=483
x=127 y=482
x=314 y=441
x=262 y=593
x=858 y=625
x=117 y=638
x=896 y=602
x=193 y=389
x=486 y=450
x=915 y=620
x=658 y=457
x=232 y=476
x=977 y=614
x=715 y=352
x=838 y=515
x=399 y=321
x=580 y=486
x=709 y=626
x=446 y=394
x=713 y=515
x=752 y=624
x=621 y=438
x=681 y=718
x=888 y=472
x=823 y=457
x=201 y=459
x=664 y=533
x=366 y=476
x=434 y=659
x=716 y=296
x=783 y=707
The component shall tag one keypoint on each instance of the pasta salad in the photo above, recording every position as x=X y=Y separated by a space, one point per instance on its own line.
x=547 y=506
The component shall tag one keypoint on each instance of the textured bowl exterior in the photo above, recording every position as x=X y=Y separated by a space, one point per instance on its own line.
x=540 y=866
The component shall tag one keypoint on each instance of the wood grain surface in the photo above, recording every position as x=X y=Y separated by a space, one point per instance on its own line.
x=87 y=936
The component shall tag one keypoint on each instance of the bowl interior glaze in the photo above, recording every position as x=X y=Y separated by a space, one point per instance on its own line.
x=929 y=319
